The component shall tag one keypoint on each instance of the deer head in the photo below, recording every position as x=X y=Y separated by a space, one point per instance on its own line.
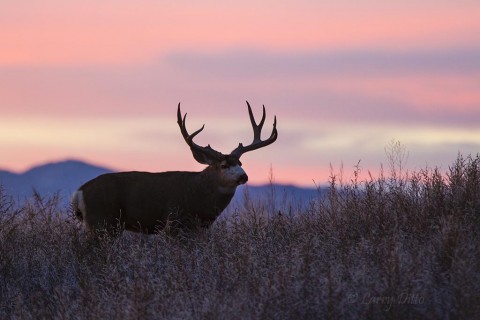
x=228 y=165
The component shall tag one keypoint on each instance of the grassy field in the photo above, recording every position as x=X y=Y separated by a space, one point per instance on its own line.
x=400 y=246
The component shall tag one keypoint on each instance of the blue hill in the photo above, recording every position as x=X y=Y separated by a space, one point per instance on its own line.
x=62 y=177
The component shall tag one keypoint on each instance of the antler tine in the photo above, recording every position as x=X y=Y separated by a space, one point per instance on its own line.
x=257 y=129
x=208 y=151
x=257 y=142
x=183 y=129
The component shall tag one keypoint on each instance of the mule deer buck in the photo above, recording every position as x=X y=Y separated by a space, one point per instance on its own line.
x=147 y=202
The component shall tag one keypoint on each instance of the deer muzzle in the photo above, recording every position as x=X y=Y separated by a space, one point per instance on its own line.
x=242 y=179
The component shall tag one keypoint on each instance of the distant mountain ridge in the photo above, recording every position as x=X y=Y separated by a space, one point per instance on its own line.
x=65 y=177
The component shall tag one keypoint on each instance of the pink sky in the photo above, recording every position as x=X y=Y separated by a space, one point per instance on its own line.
x=100 y=81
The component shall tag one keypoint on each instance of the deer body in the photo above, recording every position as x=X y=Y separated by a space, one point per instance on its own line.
x=143 y=201
x=147 y=202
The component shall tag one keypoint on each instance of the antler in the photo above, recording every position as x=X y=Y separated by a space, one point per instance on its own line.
x=257 y=142
x=201 y=154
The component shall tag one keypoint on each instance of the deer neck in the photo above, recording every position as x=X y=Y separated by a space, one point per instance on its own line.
x=212 y=181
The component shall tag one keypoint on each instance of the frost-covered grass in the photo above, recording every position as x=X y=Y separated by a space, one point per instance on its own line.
x=405 y=246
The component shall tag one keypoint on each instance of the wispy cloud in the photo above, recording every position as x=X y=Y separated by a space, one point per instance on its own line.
x=408 y=87
x=390 y=86
x=361 y=62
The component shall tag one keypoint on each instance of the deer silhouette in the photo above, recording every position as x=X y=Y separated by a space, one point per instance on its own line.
x=148 y=202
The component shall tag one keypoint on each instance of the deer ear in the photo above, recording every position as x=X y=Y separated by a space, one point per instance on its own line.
x=201 y=157
x=207 y=155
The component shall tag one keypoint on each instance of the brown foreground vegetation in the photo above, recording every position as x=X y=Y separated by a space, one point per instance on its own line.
x=402 y=247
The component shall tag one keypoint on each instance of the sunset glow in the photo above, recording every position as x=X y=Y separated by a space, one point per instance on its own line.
x=100 y=82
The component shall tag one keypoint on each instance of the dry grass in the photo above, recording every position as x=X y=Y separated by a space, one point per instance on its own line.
x=401 y=247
